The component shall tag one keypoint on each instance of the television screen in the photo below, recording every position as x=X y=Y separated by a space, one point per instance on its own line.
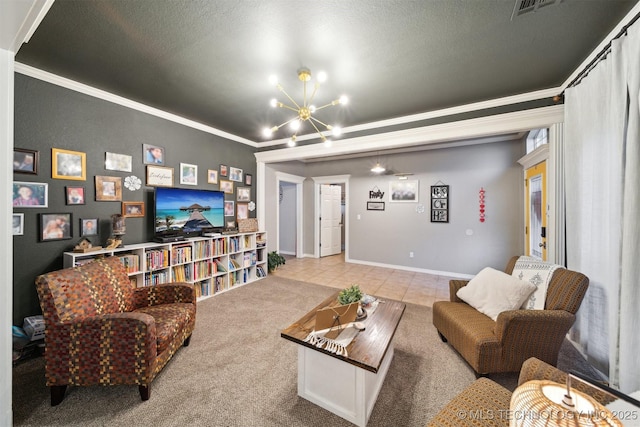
x=186 y=211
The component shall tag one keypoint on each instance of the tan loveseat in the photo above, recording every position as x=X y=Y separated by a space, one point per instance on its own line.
x=486 y=403
x=101 y=330
x=503 y=345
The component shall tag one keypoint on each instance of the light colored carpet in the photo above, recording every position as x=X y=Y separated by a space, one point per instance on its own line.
x=238 y=371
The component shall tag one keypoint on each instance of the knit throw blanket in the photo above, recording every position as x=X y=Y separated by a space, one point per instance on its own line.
x=339 y=344
x=537 y=272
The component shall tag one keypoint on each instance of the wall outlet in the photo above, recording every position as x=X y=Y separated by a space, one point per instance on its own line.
x=410 y=254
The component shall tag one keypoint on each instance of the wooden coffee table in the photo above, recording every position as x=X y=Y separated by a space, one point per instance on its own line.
x=349 y=385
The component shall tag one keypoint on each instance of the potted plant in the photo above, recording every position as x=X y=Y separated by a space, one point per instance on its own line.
x=274 y=260
x=350 y=295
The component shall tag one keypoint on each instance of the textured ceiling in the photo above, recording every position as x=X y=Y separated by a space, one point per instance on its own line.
x=209 y=61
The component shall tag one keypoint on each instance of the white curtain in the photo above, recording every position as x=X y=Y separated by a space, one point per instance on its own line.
x=602 y=209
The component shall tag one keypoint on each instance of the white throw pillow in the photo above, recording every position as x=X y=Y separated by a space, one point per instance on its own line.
x=491 y=292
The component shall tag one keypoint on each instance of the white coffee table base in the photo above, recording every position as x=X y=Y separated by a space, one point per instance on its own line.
x=340 y=387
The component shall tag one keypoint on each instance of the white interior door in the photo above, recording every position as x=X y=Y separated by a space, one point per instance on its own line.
x=330 y=220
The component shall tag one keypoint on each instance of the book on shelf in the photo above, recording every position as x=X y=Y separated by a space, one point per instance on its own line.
x=220 y=266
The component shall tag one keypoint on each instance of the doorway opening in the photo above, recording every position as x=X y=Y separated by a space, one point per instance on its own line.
x=331 y=226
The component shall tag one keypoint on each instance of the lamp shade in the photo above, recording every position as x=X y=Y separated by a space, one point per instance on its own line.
x=540 y=403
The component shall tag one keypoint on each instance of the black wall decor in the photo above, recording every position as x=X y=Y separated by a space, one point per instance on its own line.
x=440 y=203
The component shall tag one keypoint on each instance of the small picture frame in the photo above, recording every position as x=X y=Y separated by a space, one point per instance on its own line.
x=55 y=226
x=375 y=206
x=133 y=209
x=403 y=191
x=212 y=176
x=188 y=174
x=235 y=174
x=229 y=208
x=25 y=161
x=74 y=195
x=248 y=179
x=88 y=227
x=226 y=186
x=108 y=188
x=67 y=164
x=159 y=176
x=152 y=154
x=30 y=194
x=18 y=224
x=244 y=194
x=242 y=211
x=118 y=162
x=224 y=170
x=230 y=224
x=440 y=203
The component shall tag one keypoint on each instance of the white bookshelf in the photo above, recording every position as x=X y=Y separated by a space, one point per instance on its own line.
x=212 y=264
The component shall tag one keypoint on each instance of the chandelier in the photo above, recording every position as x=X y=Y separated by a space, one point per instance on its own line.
x=304 y=111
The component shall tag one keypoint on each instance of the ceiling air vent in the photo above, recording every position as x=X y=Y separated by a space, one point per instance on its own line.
x=525 y=6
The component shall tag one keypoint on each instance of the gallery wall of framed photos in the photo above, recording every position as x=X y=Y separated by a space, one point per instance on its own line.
x=88 y=159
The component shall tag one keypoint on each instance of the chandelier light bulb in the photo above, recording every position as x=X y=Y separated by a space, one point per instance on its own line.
x=327 y=143
x=336 y=131
x=266 y=132
x=292 y=142
x=273 y=102
x=312 y=109
x=295 y=125
x=273 y=79
x=322 y=77
x=344 y=100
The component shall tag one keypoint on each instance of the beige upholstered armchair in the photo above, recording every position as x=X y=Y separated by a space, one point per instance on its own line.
x=504 y=344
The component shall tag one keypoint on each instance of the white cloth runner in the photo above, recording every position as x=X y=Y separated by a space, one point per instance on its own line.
x=537 y=272
x=339 y=344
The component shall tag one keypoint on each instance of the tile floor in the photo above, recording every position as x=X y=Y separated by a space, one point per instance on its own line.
x=400 y=285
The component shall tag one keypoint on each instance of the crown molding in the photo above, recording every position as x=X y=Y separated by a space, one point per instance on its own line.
x=39 y=74
x=518 y=121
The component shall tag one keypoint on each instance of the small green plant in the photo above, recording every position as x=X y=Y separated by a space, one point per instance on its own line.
x=350 y=295
x=274 y=260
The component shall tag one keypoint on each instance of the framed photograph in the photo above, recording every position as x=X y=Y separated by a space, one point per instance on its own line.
x=235 y=174
x=224 y=171
x=30 y=194
x=133 y=209
x=108 y=188
x=248 y=178
x=226 y=186
x=244 y=194
x=88 y=227
x=159 y=176
x=212 y=176
x=25 y=161
x=229 y=208
x=55 y=226
x=242 y=211
x=74 y=195
x=188 y=174
x=66 y=164
x=18 y=224
x=152 y=154
x=118 y=162
x=403 y=191
x=375 y=206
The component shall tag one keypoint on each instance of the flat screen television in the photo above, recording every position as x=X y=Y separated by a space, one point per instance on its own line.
x=187 y=211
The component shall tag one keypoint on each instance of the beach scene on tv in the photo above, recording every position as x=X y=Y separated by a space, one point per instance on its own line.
x=187 y=211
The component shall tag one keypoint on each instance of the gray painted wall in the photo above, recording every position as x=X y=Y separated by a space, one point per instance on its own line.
x=287 y=229
x=49 y=116
x=462 y=246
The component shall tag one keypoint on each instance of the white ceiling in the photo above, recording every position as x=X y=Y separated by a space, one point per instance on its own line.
x=209 y=60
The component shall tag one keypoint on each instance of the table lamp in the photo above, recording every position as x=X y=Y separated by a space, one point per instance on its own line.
x=547 y=403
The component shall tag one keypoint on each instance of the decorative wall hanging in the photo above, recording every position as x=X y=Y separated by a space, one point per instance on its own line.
x=108 y=188
x=25 y=161
x=188 y=174
x=375 y=206
x=159 y=176
x=67 y=164
x=420 y=208
x=118 y=162
x=132 y=183
x=481 y=203
x=152 y=154
x=376 y=193
x=439 y=203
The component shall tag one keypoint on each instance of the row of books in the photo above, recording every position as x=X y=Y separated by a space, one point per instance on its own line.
x=181 y=254
x=202 y=249
x=156 y=278
x=157 y=258
x=131 y=262
x=181 y=273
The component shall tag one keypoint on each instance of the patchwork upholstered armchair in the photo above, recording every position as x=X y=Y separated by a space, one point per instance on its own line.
x=101 y=330
x=503 y=344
